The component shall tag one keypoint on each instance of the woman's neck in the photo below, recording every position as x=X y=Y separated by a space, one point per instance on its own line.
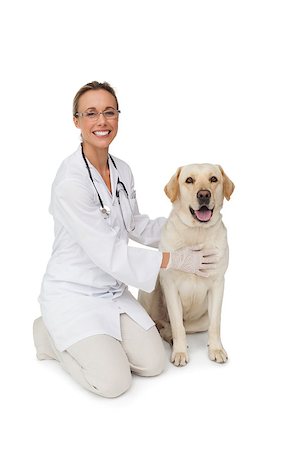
x=98 y=157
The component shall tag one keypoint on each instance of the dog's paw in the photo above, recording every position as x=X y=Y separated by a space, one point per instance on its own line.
x=217 y=354
x=179 y=358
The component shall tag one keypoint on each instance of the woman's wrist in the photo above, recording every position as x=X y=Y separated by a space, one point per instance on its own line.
x=165 y=260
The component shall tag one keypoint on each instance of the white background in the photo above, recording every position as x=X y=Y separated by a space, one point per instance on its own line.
x=197 y=81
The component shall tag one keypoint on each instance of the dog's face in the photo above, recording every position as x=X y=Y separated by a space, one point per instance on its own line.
x=197 y=192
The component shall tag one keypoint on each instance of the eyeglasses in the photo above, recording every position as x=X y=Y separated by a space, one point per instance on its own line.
x=109 y=114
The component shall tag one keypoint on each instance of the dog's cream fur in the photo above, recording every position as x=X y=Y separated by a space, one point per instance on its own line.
x=186 y=303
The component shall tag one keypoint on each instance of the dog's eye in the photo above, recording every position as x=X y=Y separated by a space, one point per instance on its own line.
x=189 y=180
x=213 y=179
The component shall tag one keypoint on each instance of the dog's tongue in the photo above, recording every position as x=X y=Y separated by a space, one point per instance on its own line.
x=204 y=214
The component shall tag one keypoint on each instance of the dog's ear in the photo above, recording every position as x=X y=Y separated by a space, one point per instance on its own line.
x=172 y=188
x=228 y=185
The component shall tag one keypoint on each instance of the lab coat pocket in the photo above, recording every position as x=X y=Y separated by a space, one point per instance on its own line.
x=133 y=212
x=126 y=208
x=133 y=205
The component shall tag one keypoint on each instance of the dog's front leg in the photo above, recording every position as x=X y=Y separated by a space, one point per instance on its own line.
x=216 y=352
x=179 y=356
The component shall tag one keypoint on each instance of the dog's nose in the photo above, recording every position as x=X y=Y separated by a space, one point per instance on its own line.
x=203 y=197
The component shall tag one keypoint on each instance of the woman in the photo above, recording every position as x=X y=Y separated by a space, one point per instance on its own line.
x=90 y=321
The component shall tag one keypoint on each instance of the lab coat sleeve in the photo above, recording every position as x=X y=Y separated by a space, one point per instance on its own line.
x=74 y=207
x=147 y=231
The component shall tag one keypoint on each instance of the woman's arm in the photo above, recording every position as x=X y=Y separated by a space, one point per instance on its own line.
x=74 y=208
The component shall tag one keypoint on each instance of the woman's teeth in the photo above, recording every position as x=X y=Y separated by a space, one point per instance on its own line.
x=101 y=133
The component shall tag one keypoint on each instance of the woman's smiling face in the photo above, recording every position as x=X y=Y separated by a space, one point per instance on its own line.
x=97 y=133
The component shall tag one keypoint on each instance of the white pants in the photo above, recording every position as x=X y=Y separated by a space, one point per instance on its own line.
x=101 y=363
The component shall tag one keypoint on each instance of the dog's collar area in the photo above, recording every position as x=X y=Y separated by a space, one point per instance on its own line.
x=204 y=214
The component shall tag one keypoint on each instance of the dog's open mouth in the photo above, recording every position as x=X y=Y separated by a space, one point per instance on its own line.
x=203 y=214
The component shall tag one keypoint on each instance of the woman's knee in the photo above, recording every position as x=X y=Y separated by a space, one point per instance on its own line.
x=153 y=361
x=110 y=386
x=156 y=365
x=101 y=365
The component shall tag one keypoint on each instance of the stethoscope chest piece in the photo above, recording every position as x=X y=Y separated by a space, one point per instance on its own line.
x=105 y=211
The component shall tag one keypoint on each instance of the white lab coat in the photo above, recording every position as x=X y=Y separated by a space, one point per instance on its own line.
x=84 y=289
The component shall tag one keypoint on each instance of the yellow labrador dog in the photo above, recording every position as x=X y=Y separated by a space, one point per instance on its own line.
x=186 y=303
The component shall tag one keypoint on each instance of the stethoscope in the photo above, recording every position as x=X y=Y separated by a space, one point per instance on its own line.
x=121 y=194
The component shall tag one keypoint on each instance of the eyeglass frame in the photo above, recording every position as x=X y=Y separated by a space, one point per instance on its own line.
x=97 y=114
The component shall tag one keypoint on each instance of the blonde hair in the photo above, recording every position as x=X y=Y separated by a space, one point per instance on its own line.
x=93 y=85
